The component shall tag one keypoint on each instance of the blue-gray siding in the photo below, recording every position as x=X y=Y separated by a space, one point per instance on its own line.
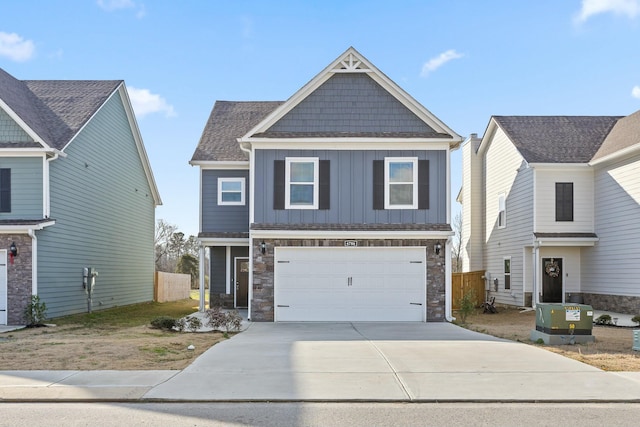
x=218 y=270
x=10 y=131
x=350 y=103
x=105 y=218
x=223 y=218
x=26 y=187
x=351 y=187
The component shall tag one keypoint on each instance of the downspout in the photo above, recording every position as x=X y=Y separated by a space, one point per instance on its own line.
x=536 y=259
x=249 y=151
x=447 y=265
x=34 y=261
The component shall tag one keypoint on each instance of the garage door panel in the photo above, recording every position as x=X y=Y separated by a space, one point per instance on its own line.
x=350 y=284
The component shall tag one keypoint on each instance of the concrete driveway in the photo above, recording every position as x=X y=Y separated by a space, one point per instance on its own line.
x=386 y=362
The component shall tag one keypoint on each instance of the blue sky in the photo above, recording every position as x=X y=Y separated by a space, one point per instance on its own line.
x=464 y=60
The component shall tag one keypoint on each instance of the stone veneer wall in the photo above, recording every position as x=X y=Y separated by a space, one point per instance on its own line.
x=616 y=303
x=262 y=309
x=19 y=276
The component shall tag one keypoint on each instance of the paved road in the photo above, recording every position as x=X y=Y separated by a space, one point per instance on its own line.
x=318 y=414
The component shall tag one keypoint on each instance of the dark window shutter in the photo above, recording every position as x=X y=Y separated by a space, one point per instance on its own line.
x=5 y=190
x=423 y=184
x=564 y=201
x=378 y=184
x=278 y=184
x=324 y=190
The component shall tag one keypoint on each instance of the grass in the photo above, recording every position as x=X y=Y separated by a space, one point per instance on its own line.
x=130 y=315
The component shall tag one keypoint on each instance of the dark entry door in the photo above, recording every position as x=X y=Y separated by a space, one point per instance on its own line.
x=552 y=280
x=242 y=282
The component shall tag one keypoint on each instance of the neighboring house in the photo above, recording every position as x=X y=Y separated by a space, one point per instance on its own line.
x=551 y=210
x=330 y=205
x=76 y=191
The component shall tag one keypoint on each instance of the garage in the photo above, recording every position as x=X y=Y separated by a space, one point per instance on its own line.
x=350 y=284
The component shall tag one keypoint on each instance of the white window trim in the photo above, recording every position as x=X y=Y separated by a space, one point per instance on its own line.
x=389 y=160
x=242 y=191
x=505 y=274
x=287 y=181
x=502 y=207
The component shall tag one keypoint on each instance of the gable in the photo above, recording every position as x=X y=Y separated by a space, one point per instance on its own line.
x=10 y=131
x=350 y=105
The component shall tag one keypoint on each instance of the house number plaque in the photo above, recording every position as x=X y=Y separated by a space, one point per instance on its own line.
x=351 y=243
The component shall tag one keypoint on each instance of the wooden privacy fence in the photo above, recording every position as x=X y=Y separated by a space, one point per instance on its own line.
x=171 y=286
x=463 y=283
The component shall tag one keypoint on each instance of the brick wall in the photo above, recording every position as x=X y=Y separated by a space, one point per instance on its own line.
x=19 y=276
x=262 y=309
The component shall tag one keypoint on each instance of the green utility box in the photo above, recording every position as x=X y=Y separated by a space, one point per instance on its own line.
x=563 y=323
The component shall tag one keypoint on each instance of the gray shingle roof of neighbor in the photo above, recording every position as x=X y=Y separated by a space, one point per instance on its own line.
x=228 y=121
x=55 y=109
x=625 y=133
x=352 y=227
x=557 y=139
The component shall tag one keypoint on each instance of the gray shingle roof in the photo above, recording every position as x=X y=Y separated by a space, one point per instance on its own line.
x=228 y=121
x=352 y=227
x=624 y=134
x=557 y=139
x=55 y=109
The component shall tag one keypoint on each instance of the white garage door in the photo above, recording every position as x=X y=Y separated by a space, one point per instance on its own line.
x=350 y=284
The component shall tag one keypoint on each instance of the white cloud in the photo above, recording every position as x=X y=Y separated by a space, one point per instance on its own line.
x=629 y=8
x=437 y=62
x=111 y=5
x=635 y=92
x=145 y=102
x=15 y=47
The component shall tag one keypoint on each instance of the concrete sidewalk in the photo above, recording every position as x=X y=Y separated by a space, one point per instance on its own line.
x=404 y=362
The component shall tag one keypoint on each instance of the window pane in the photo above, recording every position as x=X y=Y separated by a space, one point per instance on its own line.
x=401 y=194
x=231 y=186
x=507 y=266
x=301 y=195
x=232 y=197
x=301 y=172
x=401 y=172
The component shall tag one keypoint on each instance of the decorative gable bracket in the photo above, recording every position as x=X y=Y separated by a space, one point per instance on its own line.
x=351 y=64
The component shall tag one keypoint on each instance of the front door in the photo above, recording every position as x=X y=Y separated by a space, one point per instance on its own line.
x=552 y=280
x=242 y=282
x=3 y=287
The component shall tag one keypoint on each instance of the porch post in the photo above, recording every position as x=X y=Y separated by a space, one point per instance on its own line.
x=201 y=306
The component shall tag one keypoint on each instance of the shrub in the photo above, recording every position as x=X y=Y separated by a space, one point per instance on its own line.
x=467 y=305
x=604 y=319
x=35 y=312
x=636 y=319
x=218 y=319
x=164 y=322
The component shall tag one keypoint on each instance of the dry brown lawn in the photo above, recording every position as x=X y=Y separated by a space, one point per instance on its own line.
x=118 y=339
x=611 y=351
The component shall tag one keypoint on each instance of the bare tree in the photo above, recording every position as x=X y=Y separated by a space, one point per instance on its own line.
x=164 y=232
x=456 y=250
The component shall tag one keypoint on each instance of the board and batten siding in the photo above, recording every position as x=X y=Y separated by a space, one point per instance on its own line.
x=26 y=187
x=105 y=218
x=545 y=200
x=231 y=218
x=218 y=278
x=10 y=131
x=351 y=189
x=505 y=172
x=612 y=266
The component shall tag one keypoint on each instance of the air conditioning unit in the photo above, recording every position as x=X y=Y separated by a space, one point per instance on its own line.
x=636 y=340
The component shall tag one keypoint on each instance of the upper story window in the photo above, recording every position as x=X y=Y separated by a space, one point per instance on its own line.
x=231 y=191
x=5 y=190
x=401 y=183
x=507 y=272
x=564 y=201
x=502 y=211
x=301 y=183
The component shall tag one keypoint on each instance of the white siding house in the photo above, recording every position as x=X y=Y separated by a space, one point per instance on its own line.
x=559 y=201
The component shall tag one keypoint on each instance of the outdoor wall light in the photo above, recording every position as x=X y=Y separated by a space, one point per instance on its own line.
x=13 y=251
x=437 y=248
x=263 y=247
